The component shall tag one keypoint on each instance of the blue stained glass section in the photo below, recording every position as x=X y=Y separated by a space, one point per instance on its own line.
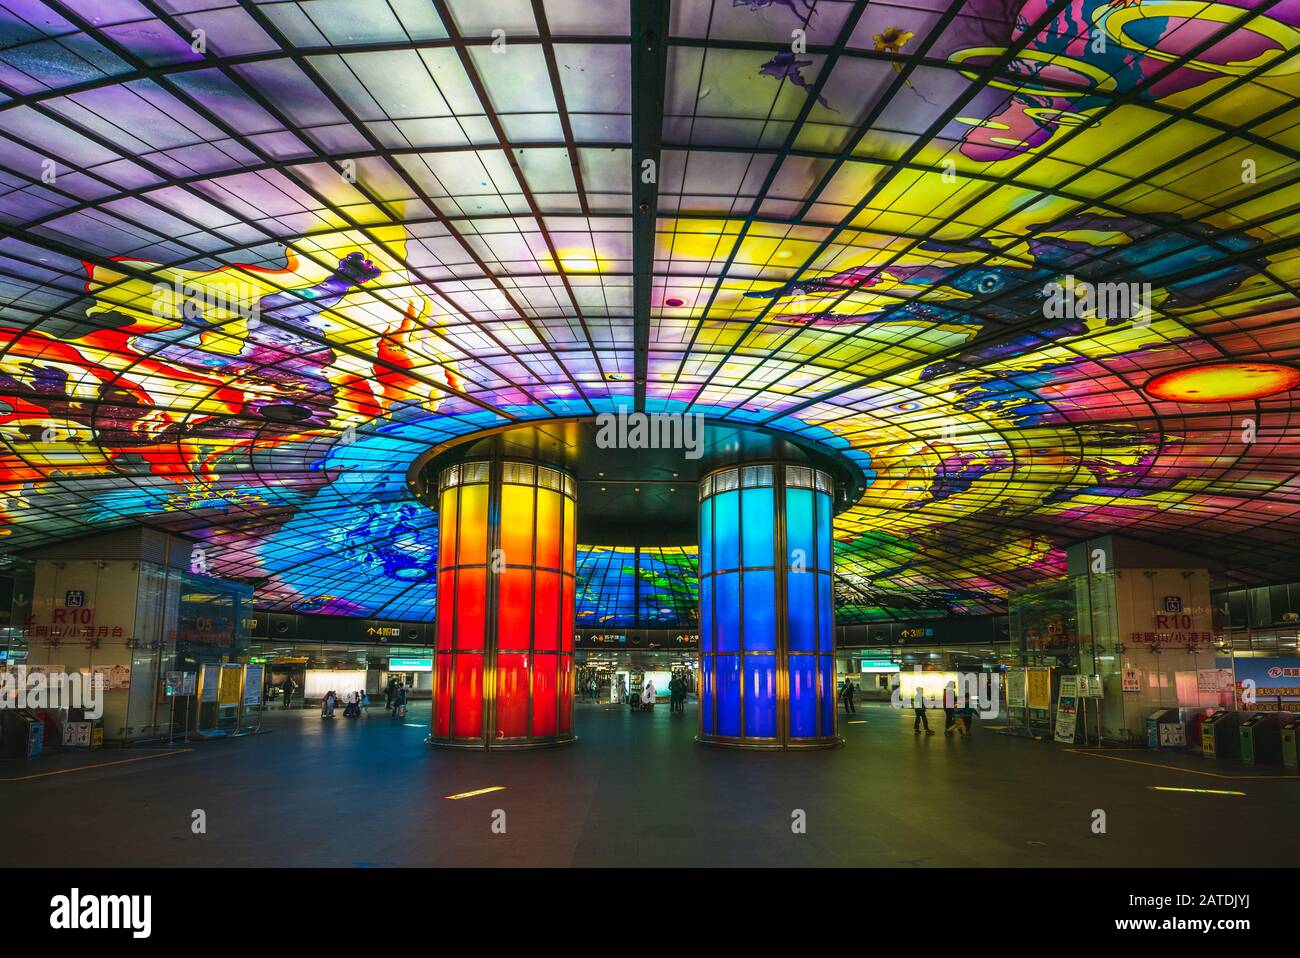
x=825 y=613
x=760 y=612
x=706 y=614
x=799 y=527
x=706 y=536
x=824 y=532
x=726 y=530
x=728 y=695
x=760 y=696
x=828 y=693
x=706 y=695
x=801 y=606
x=803 y=696
x=726 y=611
x=759 y=536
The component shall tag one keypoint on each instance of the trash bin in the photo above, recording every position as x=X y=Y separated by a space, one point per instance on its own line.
x=1261 y=737
x=1165 y=729
x=1290 y=754
x=1219 y=738
x=24 y=734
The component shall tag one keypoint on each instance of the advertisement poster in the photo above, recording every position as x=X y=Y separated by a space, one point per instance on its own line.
x=211 y=676
x=116 y=678
x=1276 y=684
x=1130 y=681
x=1038 y=688
x=252 y=685
x=1015 y=688
x=1067 y=710
x=1214 y=680
x=228 y=693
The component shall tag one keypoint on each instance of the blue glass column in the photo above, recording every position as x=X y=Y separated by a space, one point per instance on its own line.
x=767 y=641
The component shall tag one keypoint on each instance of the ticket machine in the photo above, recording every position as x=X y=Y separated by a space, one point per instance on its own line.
x=1290 y=739
x=1219 y=738
x=1261 y=737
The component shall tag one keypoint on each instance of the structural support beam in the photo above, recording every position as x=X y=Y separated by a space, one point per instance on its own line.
x=649 y=60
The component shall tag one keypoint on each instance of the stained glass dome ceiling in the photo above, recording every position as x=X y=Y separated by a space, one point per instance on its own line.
x=256 y=257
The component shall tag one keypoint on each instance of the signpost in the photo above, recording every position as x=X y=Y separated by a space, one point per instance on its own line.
x=1090 y=688
x=254 y=678
x=172 y=688
x=1067 y=710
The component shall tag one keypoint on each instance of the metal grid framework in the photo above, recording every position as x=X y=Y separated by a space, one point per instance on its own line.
x=255 y=257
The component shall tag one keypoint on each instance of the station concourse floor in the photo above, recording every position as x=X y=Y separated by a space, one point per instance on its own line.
x=637 y=790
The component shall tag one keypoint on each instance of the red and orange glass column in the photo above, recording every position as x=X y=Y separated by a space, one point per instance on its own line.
x=506 y=556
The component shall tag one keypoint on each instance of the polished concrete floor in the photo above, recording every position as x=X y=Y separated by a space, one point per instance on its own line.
x=636 y=790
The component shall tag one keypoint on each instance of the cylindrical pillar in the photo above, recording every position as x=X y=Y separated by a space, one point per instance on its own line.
x=767 y=640
x=507 y=548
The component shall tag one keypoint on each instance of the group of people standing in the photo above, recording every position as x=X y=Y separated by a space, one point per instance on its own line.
x=395 y=697
x=678 y=686
x=954 y=719
x=356 y=704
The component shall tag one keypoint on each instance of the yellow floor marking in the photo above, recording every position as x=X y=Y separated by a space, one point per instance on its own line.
x=480 y=791
x=1176 y=768
x=83 y=768
x=1198 y=791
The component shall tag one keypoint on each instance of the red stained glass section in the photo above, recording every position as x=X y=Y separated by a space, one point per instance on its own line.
x=446 y=610
x=512 y=696
x=514 y=608
x=467 y=717
x=471 y=596
x=566 y=694
x=546 y=603
x=544 y=694
x=566 y=607
x=442 y=698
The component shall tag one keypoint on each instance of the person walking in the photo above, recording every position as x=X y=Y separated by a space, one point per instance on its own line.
x=622 y=690
x=288 y=685
x=918 y=709
x=846 y=696
x=389 y=689
x=949 y=707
